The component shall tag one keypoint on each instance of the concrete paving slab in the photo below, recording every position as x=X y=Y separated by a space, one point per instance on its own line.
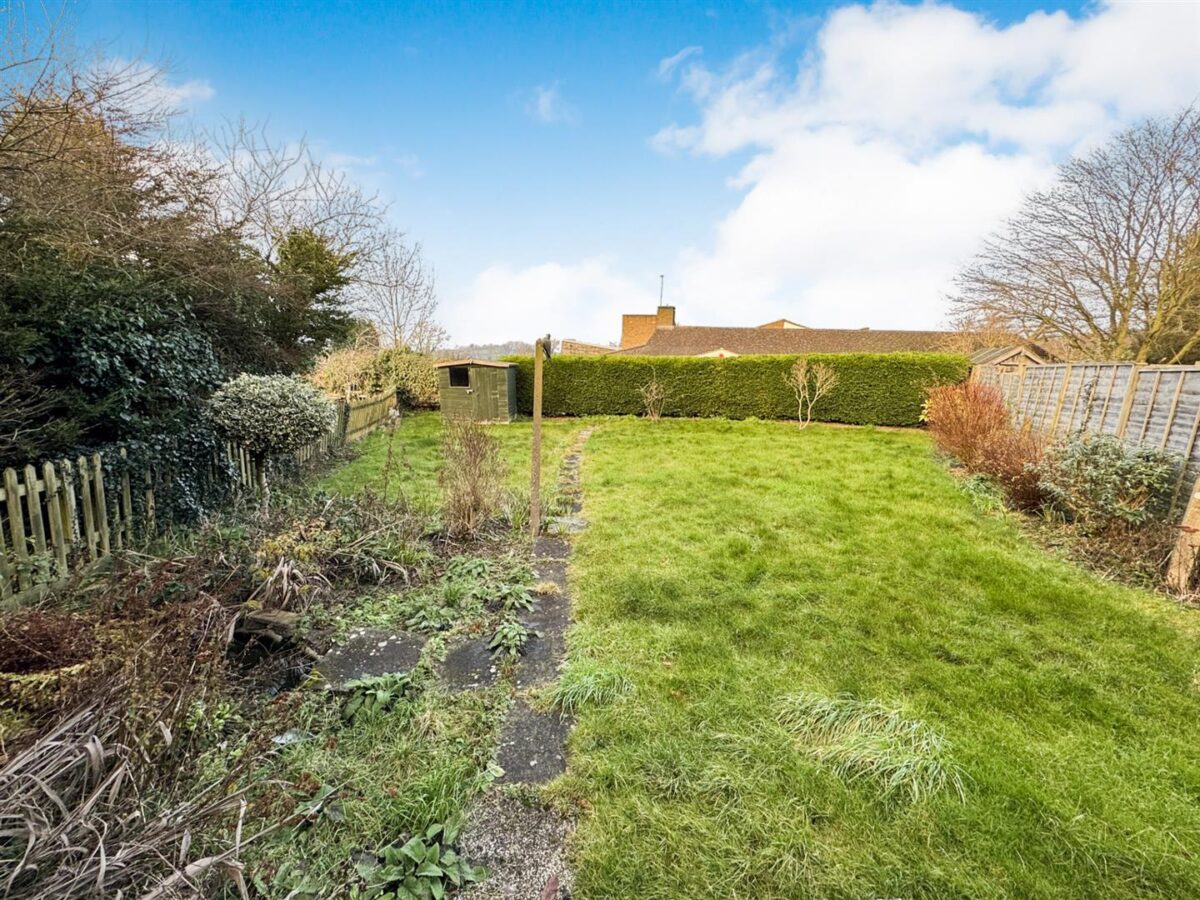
x=368 y=652
x=532 y=745
x=469 y=665
x=523 y=847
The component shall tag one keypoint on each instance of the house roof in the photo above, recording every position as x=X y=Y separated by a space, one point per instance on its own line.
x=782 y=323
x=696 y=340
x=492 y=363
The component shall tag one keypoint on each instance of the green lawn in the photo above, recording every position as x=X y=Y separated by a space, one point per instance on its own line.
x=416 y=457
x=730 y=565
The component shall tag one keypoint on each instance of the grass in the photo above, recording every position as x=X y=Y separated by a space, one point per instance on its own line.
x=734 y=571
x=416 y=458
x=392 y=774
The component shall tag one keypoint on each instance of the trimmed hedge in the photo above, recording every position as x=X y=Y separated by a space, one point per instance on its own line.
x=872 y=389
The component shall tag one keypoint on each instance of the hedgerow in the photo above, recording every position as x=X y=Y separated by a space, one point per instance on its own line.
x=872 y=388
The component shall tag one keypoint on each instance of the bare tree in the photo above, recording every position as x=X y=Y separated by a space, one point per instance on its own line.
x=654 y=397
x=396 y=292
x=809 y=382
x=266 y=190
x=1096 y=260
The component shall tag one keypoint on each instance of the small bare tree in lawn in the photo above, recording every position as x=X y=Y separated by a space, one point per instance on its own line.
x=654 y=397
x=472 y=476
x=809 y=382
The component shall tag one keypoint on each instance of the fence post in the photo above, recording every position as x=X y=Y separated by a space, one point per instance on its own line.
x=58 y=534
x=151 y=525
x=101 y=503
x=126 y=499
x=89 y=515
x=343 y=421
x=1127 y=401
x=16 y=525
x=33 y=501
x=6 y=573
x=1183 y=557
x=541 y=346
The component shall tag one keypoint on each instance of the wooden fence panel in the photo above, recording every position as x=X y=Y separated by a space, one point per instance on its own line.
x=1143 y=405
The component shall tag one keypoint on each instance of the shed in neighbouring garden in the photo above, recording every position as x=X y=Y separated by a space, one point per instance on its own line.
x=481 y=389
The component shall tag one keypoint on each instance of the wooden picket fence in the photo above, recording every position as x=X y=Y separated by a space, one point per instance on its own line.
x=57 y=517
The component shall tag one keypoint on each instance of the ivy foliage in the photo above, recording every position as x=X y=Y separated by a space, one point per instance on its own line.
x=872 y=388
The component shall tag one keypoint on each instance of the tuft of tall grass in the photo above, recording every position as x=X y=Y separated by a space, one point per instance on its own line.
x=866 y=741
x=587 y=683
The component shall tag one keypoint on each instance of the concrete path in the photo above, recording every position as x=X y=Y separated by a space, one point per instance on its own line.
x=518 y=837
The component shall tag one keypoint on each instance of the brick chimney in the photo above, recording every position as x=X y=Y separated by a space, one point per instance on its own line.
x=665 y=317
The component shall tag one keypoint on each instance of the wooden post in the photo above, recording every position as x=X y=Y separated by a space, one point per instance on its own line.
x=126 y=500
x=16 y=525
x=101 y=504
x=1183 y=557
x=541 y=347
x=33 y=500
x=59 y=536
x=151 y=525
x=89 y=518
x=1131 y=387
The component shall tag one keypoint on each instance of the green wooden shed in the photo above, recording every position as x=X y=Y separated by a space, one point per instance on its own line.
x=479 y=389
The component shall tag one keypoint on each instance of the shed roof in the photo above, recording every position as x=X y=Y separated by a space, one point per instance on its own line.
x=492 y=363
x=990 y=355
x=696 y=340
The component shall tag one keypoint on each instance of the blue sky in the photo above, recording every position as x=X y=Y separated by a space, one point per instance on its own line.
x=551 y=171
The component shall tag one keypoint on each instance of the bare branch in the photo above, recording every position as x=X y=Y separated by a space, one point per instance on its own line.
x=1086 y=261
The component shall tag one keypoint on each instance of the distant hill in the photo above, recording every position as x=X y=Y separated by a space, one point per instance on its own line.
x=487 y=351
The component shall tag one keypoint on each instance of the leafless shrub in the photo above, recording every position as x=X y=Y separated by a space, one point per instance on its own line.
x=655 y=395
x=809 y=382
x=1013 y=457
x=964 y=418
x=472 y=476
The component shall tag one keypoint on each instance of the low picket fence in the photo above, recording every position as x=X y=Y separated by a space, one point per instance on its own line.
x=59 y=516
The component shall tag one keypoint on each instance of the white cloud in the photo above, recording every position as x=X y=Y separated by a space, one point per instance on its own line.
x=150 y=87
x=410 y=165
x=545 y=104
x=904 y=136
x=879 y=157
x=567 y=300
x=671 y=63
x=350 y=161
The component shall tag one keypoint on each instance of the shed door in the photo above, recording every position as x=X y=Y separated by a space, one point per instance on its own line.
x=482 y=388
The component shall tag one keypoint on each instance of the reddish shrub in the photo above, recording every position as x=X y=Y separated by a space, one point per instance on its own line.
x=1014 y=459
x=964 y=419
x=970 y=422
